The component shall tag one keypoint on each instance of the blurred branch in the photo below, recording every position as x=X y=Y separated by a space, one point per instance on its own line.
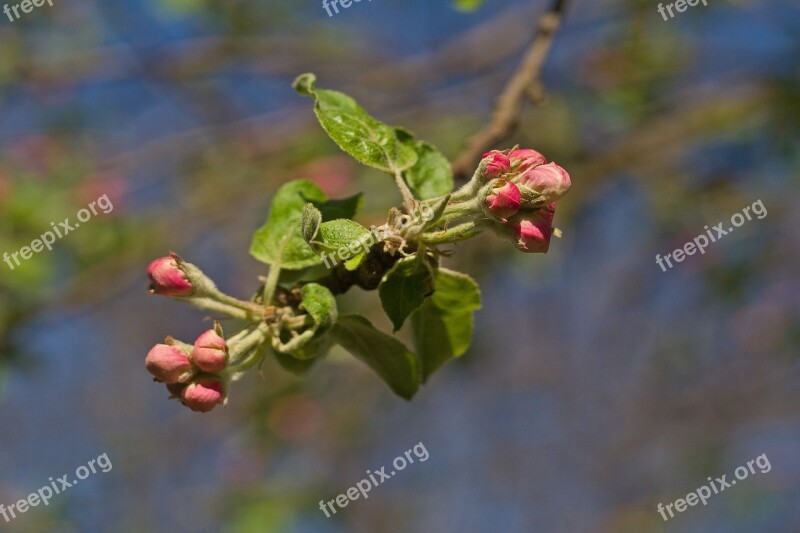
x=523 y=84
x=664 y=139
x=477 y=51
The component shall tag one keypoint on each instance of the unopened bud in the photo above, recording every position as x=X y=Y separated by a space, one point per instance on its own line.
x=550 y=181
x=167 y=363
x=210 y=352
x=497 y=164
x=167 y=278
x=532 y=230
x=203 y=394
x=522 y=160
x=503 y=200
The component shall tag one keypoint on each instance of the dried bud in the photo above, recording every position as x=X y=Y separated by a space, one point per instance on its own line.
x=503 y=200
x=210 y=352
x=203 y=394
x=167 y=363
x=497 y=165
x=550 y=181
x=522 y=160
x=167 y=278
x=532 y=230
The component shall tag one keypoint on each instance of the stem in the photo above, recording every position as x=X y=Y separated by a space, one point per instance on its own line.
x=271 y=284
x=250 y=361
x=461 y=232
x=298 y=321
x=436 y=207
x=461 y=209
x=408 y=198
x=471 y=188
x=210 y=304
x=208 y=296
x=235 y=302
x=249 y=344
x=509 y=104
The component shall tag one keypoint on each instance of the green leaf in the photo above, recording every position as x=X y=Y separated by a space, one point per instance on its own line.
x=403 y=289
x=443 y=324
x=320 y=304
x=291 y=277
x=304 y=347
x=341 y=233
x=344 y=208
x=279 y=242
x=432 y=175
x=366 y=139
x=353 y=239
x=299 y=366
x=311 y=220
x=387 y=356
x=352 y=263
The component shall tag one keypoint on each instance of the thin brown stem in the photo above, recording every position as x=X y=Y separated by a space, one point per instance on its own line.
x=519 y=88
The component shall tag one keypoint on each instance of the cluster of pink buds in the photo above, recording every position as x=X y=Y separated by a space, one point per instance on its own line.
x=199 y=374
x=190 y=372
x=521 y=194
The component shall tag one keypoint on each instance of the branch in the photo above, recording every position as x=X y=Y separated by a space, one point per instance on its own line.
x=523 y=84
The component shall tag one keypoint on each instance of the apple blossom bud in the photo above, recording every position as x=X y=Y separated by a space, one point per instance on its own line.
x=210 y=352
x=203 y=394
x=167 y=363
x=522 y=160
x=550 y=180
x=532 y=230
x=503 y=200
x=167 y=278
x=497 y=165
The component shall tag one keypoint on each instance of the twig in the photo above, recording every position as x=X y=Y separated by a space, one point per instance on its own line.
x=509 y=104
x=408 y=197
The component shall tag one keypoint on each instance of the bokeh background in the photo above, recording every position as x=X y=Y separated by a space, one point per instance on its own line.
x=597 y=385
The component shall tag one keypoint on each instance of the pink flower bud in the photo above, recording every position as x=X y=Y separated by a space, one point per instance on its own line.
x=167 y=278
x=498 y=164
x=167 y=363
x=532 y=230
x=526 y=158
x=203 y=395
x=504 y=199
x=550 y=180
x=210 y=352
